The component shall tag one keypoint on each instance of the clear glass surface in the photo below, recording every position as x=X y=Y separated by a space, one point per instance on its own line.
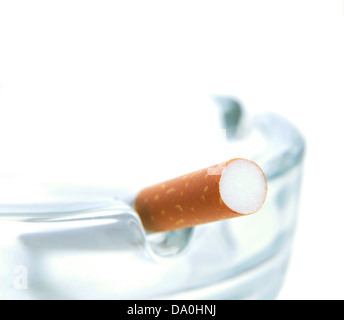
x=87 y=242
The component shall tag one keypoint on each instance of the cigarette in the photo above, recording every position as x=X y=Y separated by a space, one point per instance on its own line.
x=231 y=189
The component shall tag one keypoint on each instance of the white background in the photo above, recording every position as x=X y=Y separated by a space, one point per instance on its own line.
x=103 y=91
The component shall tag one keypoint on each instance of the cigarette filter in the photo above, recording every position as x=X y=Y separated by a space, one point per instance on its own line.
x=231 y=189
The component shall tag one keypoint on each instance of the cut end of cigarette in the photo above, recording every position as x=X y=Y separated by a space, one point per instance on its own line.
x=228 y=190
x=243 y=186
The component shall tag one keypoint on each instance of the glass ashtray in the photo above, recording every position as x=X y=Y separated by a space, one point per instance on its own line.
x=87 y=242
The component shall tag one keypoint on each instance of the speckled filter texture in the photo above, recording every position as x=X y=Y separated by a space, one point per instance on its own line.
x=189 y=200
